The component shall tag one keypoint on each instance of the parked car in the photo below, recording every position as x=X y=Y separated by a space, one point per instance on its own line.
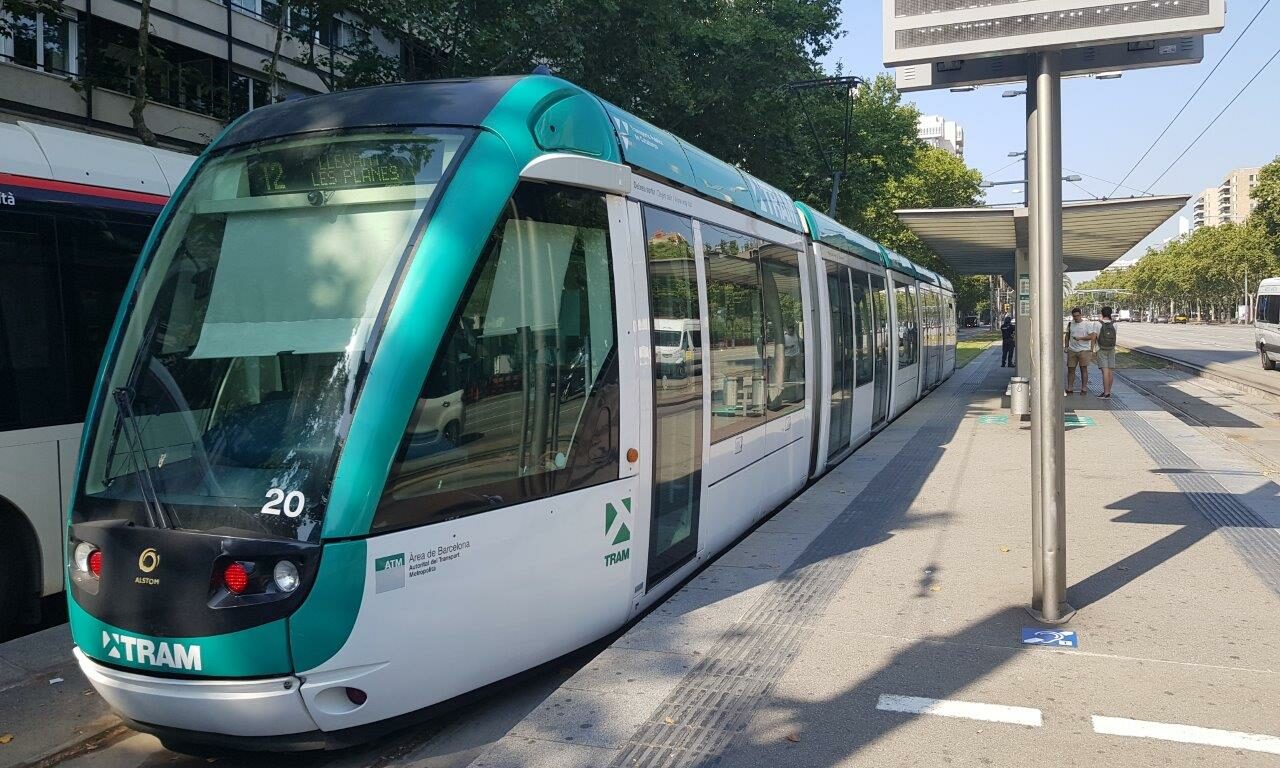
x=1266 y=323
x=1180 y=319
x=971 y=321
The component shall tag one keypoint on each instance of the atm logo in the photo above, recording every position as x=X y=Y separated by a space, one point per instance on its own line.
x=157 y=654
x=388 y=573
x=617 y=532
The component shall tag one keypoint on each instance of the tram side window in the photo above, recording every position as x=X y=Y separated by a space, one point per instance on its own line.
x=908 y=333
x=521 y=401
x=784 y=348
x=738 y=389
x=33 y=367
x=862 y=311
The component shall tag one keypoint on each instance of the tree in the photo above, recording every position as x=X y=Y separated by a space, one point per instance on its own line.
x=1266 y=215
x=16 y=17
x=1202 y=273
x=137 y=111
x=932 y=178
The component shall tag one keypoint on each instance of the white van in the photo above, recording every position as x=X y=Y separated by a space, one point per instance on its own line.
x=1266 y=323
x=677 y=347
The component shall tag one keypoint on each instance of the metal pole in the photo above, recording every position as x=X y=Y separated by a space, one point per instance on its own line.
x=1047 y=275
x=835 y=193
x=1030 y=199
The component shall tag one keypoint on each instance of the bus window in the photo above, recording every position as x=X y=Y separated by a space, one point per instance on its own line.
x=33 y=360
x=97 y=256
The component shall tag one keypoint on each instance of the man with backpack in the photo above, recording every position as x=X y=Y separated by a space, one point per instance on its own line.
x=1107 y=351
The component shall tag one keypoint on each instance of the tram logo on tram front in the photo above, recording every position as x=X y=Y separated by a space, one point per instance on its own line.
x=388 y=573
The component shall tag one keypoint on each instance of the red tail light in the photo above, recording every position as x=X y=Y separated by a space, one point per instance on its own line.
x=236 y=578
x=95 y=562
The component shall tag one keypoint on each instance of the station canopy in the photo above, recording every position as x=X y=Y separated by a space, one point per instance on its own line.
x=1095 y=233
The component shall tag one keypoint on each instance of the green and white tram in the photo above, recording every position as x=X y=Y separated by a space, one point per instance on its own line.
x=419 y=386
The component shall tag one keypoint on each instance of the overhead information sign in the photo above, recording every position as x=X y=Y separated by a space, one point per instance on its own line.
x=917 y=31
x=1086 y=60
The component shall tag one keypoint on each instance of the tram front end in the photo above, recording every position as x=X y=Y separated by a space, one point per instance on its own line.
x=202 y=584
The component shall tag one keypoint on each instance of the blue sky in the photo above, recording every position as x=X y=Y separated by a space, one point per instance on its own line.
x=1108 y=124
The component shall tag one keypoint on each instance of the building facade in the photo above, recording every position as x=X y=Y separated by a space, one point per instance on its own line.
x=1232 y=200
x=76 y=69
x=937 y=131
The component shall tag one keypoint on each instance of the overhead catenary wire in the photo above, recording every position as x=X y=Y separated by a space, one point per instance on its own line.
x=1104 y=181
x=1223 y=111
x=1187 y=103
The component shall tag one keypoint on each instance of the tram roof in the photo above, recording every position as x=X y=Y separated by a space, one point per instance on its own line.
x=1095 y=233
x=832 y=233
x=565 y=119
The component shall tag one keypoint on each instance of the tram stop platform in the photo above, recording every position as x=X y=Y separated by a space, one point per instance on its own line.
x=878 y=619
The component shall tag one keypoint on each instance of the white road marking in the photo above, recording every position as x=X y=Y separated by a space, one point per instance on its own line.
x=971 y=710
x=1188 y=734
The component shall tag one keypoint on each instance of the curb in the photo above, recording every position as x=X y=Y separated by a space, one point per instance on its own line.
x=1207 y=373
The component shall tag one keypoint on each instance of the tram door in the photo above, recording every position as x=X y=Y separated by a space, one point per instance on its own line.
x=880 y=306
x=677 y=391
x=842 y=357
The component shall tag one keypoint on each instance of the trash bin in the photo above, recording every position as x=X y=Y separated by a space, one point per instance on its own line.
x=1019 y=396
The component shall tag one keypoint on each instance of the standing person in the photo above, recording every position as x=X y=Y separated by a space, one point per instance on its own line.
x=1078 y=341
x=1107 y=351
x=1008 y=343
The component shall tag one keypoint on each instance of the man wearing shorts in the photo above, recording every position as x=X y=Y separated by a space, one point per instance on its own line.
x=1107 y=351
x=1079 y=340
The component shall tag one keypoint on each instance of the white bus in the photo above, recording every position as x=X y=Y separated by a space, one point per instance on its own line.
x=75 y=210
x=1266 y=323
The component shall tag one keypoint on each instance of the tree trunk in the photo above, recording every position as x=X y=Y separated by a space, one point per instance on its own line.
x=274 y=68
x=140 y=80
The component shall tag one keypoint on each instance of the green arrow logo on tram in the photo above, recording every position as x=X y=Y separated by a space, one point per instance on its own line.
x=611 y=516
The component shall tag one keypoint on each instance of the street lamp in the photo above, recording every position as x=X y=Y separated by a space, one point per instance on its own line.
x=1012 y=94
x=990 y=184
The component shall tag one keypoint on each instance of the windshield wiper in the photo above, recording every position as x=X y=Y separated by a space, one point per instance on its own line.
x=141 y=469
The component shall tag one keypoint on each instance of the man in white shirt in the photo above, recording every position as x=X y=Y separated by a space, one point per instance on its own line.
x=1078 y=341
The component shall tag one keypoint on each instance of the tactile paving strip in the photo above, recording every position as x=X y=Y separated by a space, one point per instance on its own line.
x=698 y=721
x=1257 y=542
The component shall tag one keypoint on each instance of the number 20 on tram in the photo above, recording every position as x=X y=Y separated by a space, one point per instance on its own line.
x=379 y=423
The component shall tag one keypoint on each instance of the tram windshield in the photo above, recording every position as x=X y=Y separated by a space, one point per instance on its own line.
x=237 y=367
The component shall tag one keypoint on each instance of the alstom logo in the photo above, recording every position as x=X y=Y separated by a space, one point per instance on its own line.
x=157 y=654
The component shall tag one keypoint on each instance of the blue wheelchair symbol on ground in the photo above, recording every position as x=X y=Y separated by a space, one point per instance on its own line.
x=1054 y=638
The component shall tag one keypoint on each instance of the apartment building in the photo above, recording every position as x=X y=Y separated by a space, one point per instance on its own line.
x=937 y=131
x=75 y=69
x=1232 y=200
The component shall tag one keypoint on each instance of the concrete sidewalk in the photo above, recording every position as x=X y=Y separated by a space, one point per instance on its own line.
x=46 y=705
x=877 y=620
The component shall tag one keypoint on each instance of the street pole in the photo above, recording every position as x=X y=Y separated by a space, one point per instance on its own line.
x=1030 y=198
x=1046 y=276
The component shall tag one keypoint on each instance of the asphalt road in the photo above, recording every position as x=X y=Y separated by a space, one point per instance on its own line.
x=1224 y=349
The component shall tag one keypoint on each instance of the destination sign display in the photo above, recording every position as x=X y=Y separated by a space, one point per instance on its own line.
x=344 y=165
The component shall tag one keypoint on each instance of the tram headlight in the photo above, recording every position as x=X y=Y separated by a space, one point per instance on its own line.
x=81 y=554
x=286 y=576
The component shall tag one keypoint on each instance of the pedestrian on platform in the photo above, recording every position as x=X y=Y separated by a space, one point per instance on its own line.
x=1079 y=339
x=1008 y=343
x=1107 y=351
